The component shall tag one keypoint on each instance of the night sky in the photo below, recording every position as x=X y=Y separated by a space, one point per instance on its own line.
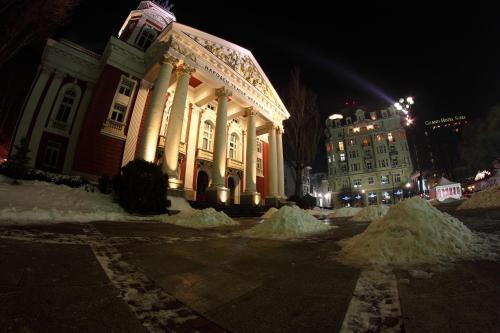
x=447 y=58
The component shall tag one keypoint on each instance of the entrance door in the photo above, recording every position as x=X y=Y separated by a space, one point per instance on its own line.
x=201 y=186
x=232 y=186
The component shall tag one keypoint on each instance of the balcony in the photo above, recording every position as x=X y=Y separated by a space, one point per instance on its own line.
x=234 y=164
x=62 y=126
x=113 y=129
x=206 y=155
x=182 y=145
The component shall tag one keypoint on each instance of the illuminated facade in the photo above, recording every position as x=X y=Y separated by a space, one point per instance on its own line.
x=368 y=156
x=164 y=92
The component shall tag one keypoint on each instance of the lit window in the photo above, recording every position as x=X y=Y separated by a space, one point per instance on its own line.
x=341 y=145
x=333 y=158
x=357 y=182
x=370 y=180
x=379 y=137
x=51 y=156
x=259 y=164
x=397 y=178
x=147 y=37
x=384 y=179
x=66 y=105
x=369 y=127
x=329 y=159
x=356 y=129
x=126 y=87
x=373 y=115
x=118 y=112
x=366 y=143
x=207 y=136
x=390 y=138
x=233 y=144
x=352 y=142
x=342 y=156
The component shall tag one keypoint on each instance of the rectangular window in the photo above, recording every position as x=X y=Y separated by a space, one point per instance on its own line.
x=390 y=138
x=357 y=182
x=343 y=167
x=259 y=163
x=394 y=163
x=379 y=137
x=397 y=178
x=352 y=142
x=342 y=157
x=384 y=179
x=259 y=146
x=348 y=120
x=51 y=156
x=126 y=87
x=369 y=165
x=341 y=145
x=118 y=112
x=371 y=181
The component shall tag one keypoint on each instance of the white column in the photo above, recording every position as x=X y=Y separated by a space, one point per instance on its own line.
x=192 y=144
x=151 y=131
x=40 y=121
x=273 y=163
x=219 y=159
x=75 y=134
x=251 y=158
x=174 y=128
x=31 y=103
x=281 y=175
x=135 y=122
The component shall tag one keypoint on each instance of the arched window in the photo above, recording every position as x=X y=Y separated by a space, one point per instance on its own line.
x=208 y=130
x=233 y=146
x=66 y=105
x=147 y=37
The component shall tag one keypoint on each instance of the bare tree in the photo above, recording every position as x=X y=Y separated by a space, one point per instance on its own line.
x=303 y=128
x=25 y=21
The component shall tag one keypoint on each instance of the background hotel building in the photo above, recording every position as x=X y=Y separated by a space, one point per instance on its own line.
x=164 y=92
x=368 y=154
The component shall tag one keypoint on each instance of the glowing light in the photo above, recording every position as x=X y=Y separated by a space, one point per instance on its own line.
x=482 y=174
x=401 y=100
x=410 y=100
x=355 y=129
x=346 y=198
x=369 y=127
x=336 y=116
x=372 y=195
x=408 y=185
x=398 y=106
x=363 y=191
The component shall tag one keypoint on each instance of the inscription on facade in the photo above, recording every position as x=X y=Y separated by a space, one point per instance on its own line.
x=444 y=120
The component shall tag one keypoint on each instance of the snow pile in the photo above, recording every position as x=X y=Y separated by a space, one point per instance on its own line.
x=345 y=212
x=288 y=222
x=371 y=213
x=37 y=201
x=179 y=204
x=485 y=199
x=200 y=219
x=413 y=232
x=269 y=213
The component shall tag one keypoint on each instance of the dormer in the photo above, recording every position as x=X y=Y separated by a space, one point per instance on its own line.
x=360 y=115
x=145 y=23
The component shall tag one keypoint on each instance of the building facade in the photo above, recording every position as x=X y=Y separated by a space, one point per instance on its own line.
x=368 y=156
x=321 y=189
x=198 y=105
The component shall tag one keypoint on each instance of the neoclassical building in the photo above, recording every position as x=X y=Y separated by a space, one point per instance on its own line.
x=198 y=105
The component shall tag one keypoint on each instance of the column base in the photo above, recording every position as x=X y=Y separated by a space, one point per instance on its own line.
x=189 y=194
x=175 y=192
x=273 y=201
x=251 y=198
x=218 y=194
x=175 y=184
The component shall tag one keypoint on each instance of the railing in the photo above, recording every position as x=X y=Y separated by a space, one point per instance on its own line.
x=59 y=125
x=204 y=155
x=182 y=145
x=115 y=125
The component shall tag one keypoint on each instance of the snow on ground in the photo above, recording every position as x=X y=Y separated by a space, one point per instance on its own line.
x=485 y=199
x=319 y=211
x=371 y=213
x=414 y=232
x=200 y=219
x=180 y=204
x=269 y=212
x=345 y=212
x=288 y=222
x=35 y=202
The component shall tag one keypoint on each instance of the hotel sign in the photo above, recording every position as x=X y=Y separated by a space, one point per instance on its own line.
x=444 y=120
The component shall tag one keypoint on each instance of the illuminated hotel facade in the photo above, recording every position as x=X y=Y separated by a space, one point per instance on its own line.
x=164 y=92
x=368 y=156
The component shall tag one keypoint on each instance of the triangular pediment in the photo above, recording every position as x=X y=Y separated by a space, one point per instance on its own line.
x=239 y=59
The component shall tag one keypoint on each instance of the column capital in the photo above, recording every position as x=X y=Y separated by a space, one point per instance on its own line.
x=185 y=69
x=250 y=111
x=223 y=91
x=169 y=60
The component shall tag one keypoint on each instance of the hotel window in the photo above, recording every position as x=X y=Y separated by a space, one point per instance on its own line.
x=233 y=146
x=352 y=142
x=366 y=143
x=147 y=37
x=369 y=165
x=126 y=87
x=394 y=163
x=384 y=179
x=333 y=157
x=397 y=178
x=371 y=181
x=341 y=145
x=259 y=146
x=390 y=138
x=329 y=159
x=259 y=164
x=357 y=182
x=373 y=115
x=207 y=136
x=342 y=157
x=118 y=112
x=379 y=137
x=51 y=156
x=384 y=114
